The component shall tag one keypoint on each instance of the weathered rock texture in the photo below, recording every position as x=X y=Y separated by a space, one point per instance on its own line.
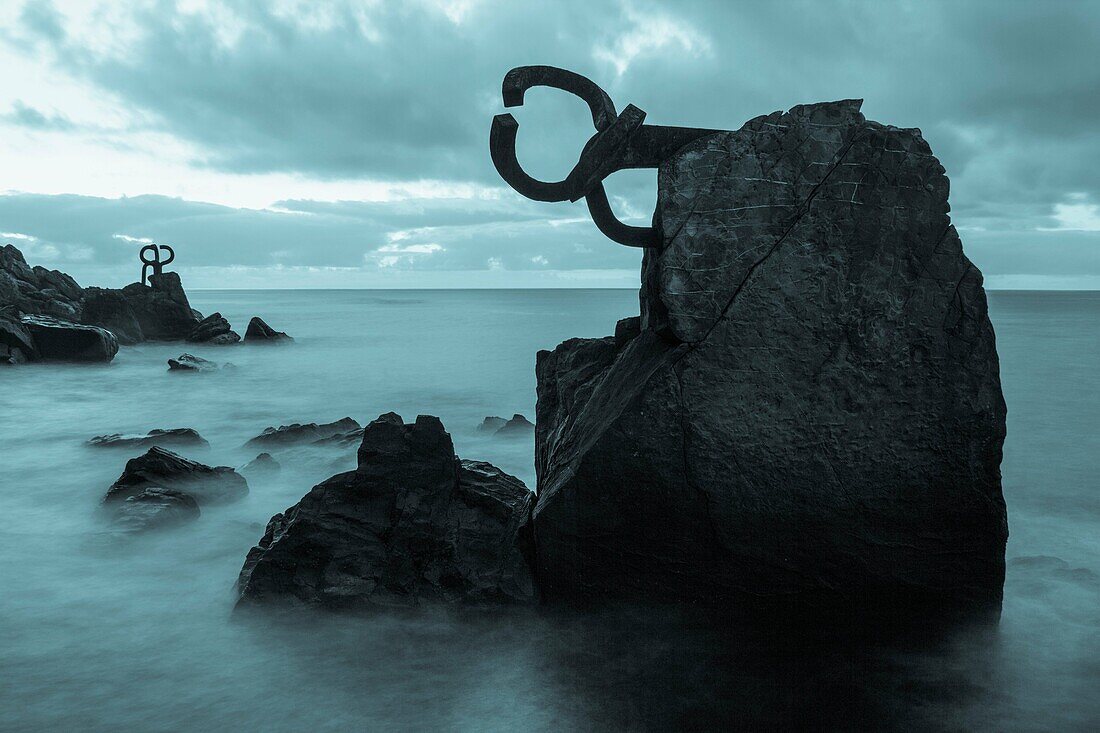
x=164 y=469
x=412 y=524
x=341 y=430
x=809 y=407
x=214 y=330
x=61 y=340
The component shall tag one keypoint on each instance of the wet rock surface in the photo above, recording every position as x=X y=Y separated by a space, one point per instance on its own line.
x=154 y=508
x=172 y=436
x=191 y=363
x=260 y=332
x=59 y=340
x=808 y=408
x=412 y=524
x=215 y=331
x=161 y=468
x=344 y=429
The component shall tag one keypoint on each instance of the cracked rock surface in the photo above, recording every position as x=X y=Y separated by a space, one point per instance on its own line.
x=809 y=406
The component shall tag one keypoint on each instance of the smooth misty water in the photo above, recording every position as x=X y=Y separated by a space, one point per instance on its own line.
x=97 y=634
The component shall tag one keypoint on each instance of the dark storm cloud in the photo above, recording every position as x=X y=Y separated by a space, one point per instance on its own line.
x=1005 y=92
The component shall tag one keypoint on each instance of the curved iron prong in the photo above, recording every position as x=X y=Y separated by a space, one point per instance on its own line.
x=171 y=254
x=502 y=147
x=600 y=211
x=520 y=79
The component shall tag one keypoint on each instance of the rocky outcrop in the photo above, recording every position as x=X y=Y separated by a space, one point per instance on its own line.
x=260 y=332
x=412 y=524
x=160 y=468
x=159 y=311
x=215 y=331
x=154 y=508
x=191 y=363
x=518 y=426
x=60 y=340
x=36 y=290
x=172 y=436
x=297 y=433
x=491 y=424
x=262 y=466
x=809 y=407
x=16 y=344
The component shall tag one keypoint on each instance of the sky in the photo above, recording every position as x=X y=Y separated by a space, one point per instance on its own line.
x=345 y=143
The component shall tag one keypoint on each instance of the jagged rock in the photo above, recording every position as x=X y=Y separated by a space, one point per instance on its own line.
x=214 y=330
x=66 y=341
x=491 y=424
x=412 y=524
x=37 y=291
x=262 y=466
x=172 y=436
x=809 y=408
x=165 y=469
x=154 y=508
x=258 y=331
x=159 y=311
x=345 y=438
x=518 y=426
x=191 y=363
x=303 y=433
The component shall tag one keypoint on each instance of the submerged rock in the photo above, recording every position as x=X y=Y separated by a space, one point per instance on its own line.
x=518 y=426
x=67 y=341
x=164 y=469
x=215 y=331
x=809 y=408
x=191 y=363
x=304 y=433
x=172 y=436
x=258 y=331
x=412 y=524
x=154 y=508
x=262 y=466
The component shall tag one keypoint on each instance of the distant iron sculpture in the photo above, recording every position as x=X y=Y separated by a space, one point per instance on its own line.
x=621 y=141
x=156 y=263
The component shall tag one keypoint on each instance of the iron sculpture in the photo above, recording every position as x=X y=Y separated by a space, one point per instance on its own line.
x=156 y=263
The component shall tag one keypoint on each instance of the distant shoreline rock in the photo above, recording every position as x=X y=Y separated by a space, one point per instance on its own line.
x=297 y=433
x=172 y=436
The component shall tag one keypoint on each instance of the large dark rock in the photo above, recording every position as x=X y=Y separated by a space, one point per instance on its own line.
x=412 y=524
x=260 y=332
x=172 y=436
x=159 y=311
x=16 y=344
x=66 y=341
x=809 y=408
x=154 y=508
x=215 y=331
x=165 y=469
x=36 y=290
x=306 y=433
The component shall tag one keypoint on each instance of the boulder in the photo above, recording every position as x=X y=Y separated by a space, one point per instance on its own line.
x=262 y=466
x=518 y=426
x=164 y=469
x=214 y=330
x=809 y=407
x=411 y=525
x=67 y=341
x=154 y=508
x=191 y=363
x=305 y=433
x=260 y=332
x=172 y=436
x=159 y=311
x=36 y=290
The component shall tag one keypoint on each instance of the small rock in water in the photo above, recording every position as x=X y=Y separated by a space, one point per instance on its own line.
x=412 y=524
x=262 y=466
x=258 y=331
x=165 y=469
x=304 y=433
x=173 y=436
x=215 y=331
x=491 y=424
x=191 y=363
x=66 y=341
x=155 y=508
x=516 y=427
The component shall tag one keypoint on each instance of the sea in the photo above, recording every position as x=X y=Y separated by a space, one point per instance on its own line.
x=104 y=633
